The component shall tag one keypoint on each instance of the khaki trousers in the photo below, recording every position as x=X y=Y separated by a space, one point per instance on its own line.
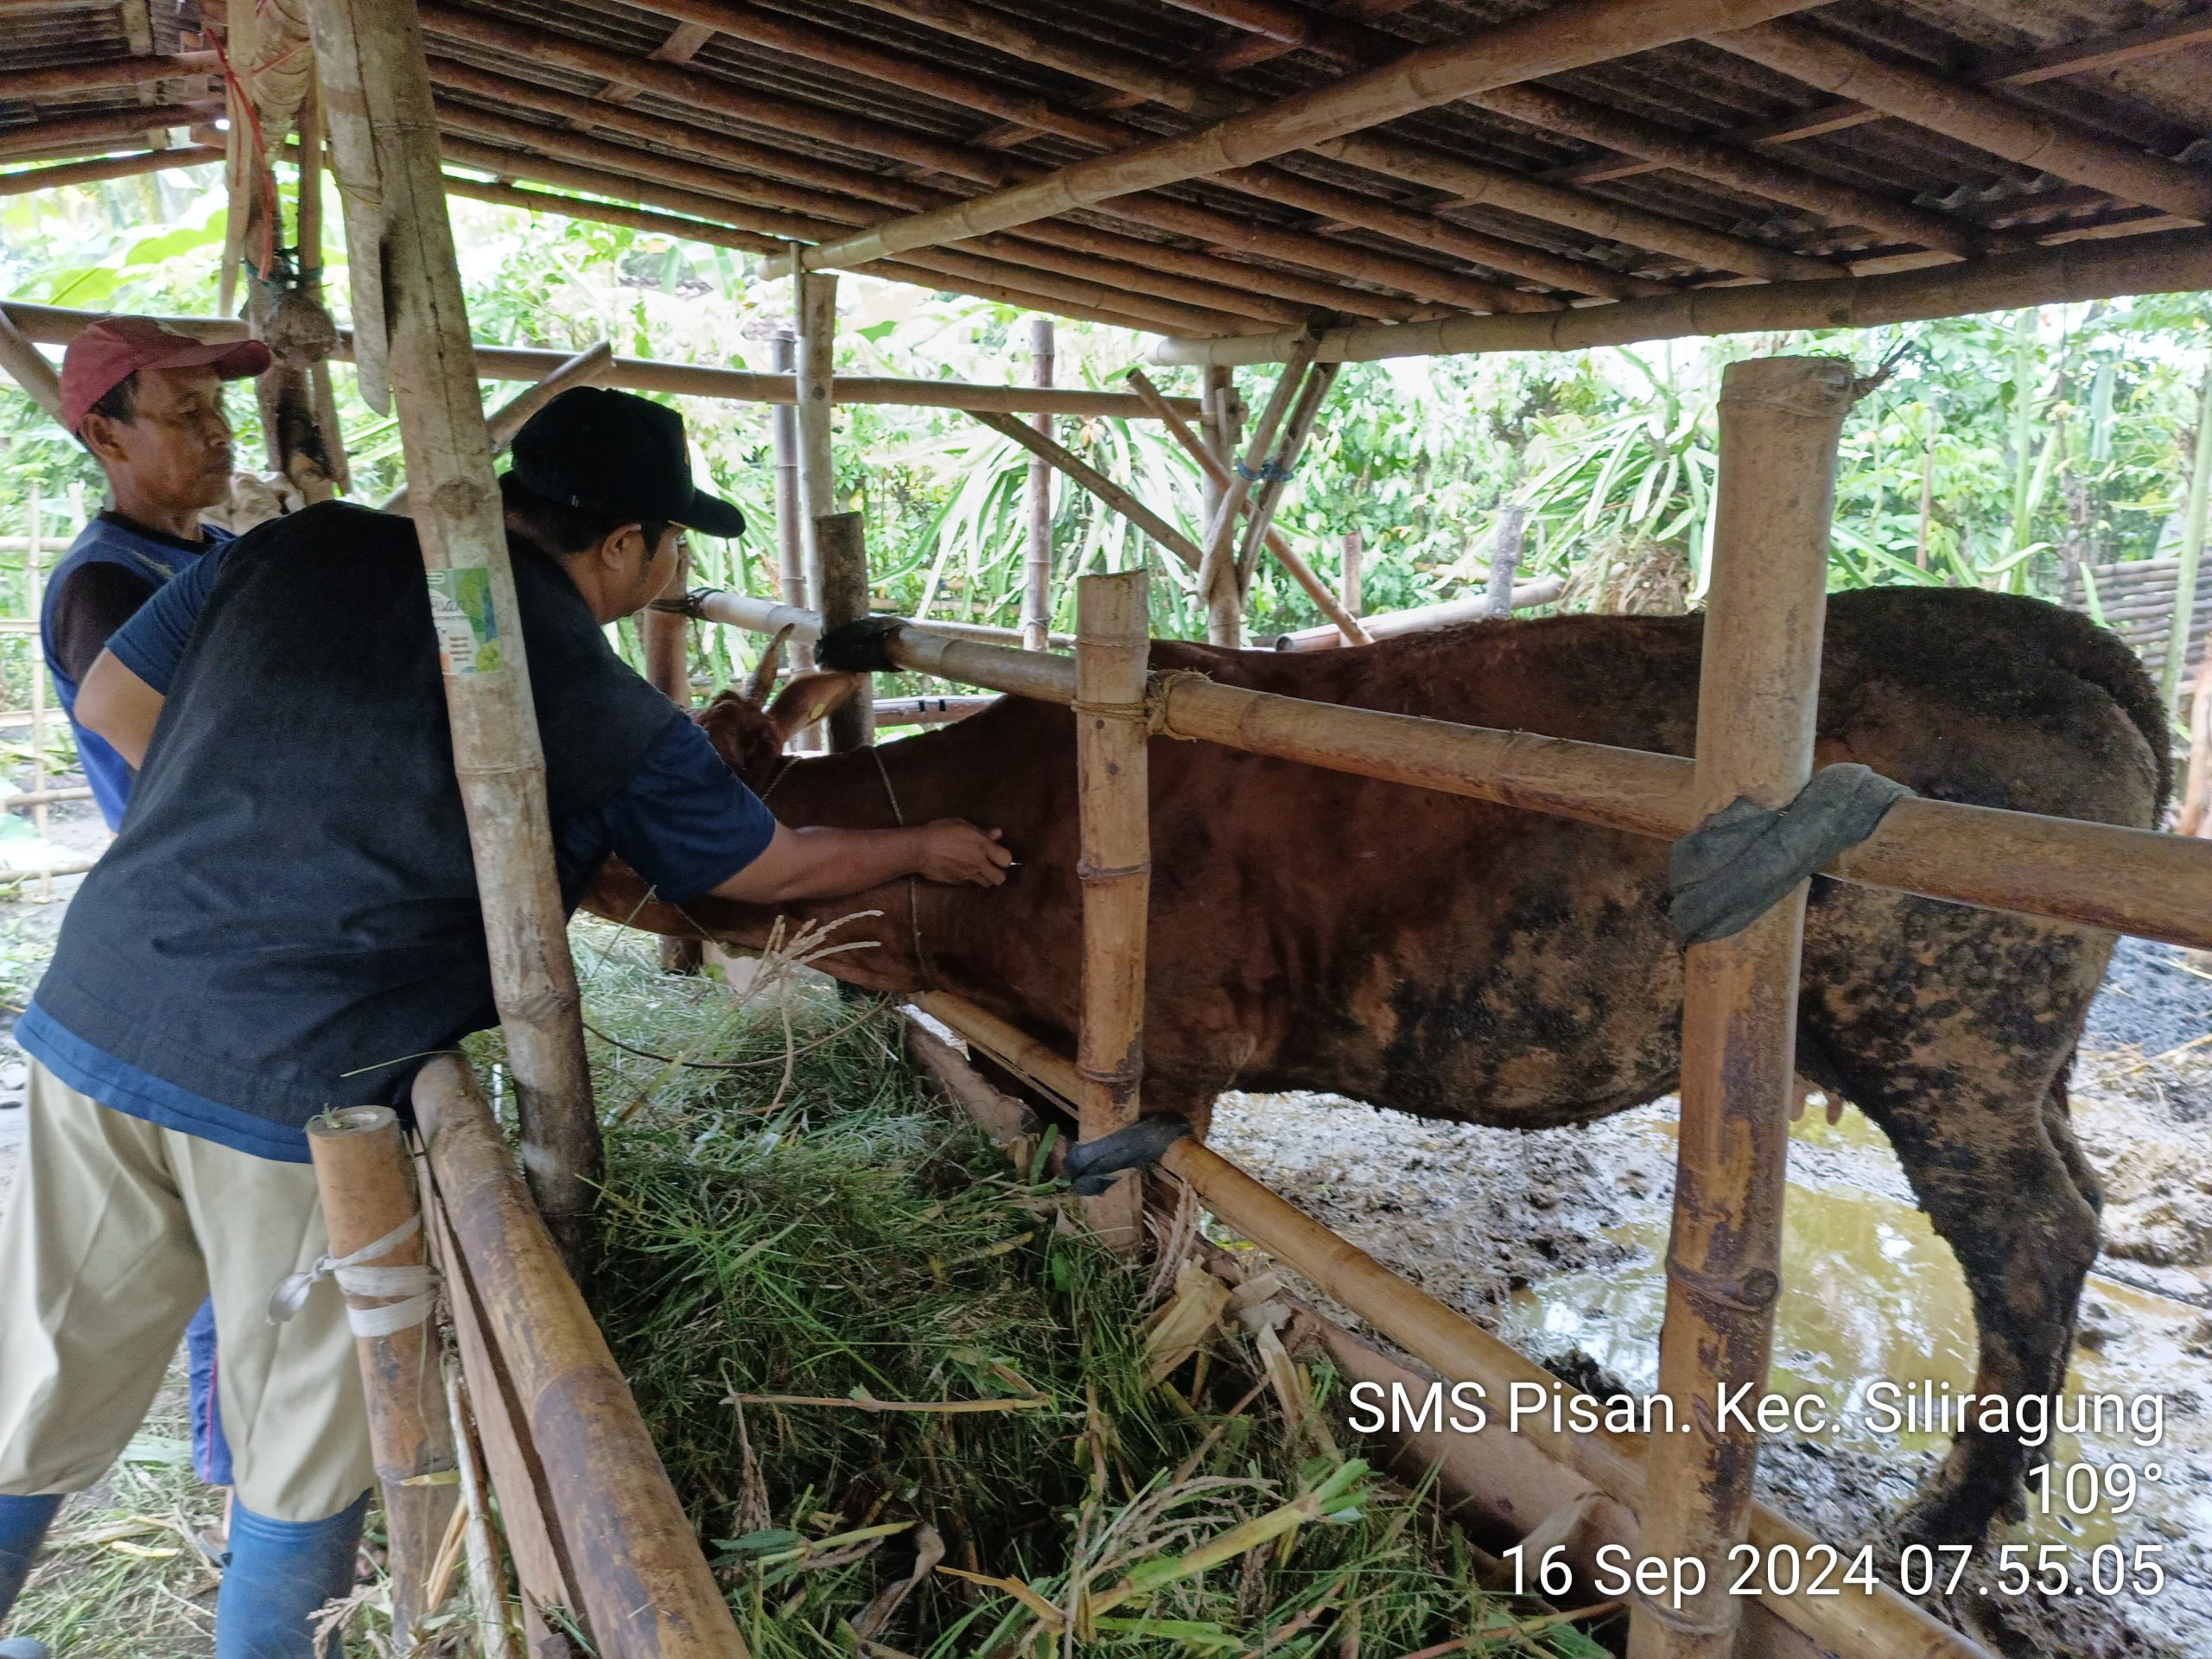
x=115 y=1231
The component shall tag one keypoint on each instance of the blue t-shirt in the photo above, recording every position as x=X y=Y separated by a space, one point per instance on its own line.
x=154 y=559
x=683 y=821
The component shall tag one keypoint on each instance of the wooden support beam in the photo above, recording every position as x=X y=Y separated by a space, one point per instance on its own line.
x=770 y=176
x=1218 y=587
x=791 y=539
x=1561 y=38
x=83 y=77
x=2030 y=137
x=1342 y=614
x=841 y=541
x=125 y=128
x=361 y=1171
x=1037 y=502
x=1114 y=800
x=28 y=368
x=49 y=325
x=68 y=173
x=1123 y=501
x=816 y=311
x=776 y=116
x=383 y=147
x=2162 y=262
x=1758 y=695
x=642 y=1585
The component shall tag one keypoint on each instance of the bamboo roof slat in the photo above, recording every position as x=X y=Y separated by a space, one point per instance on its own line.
x=1209 y=168
x=1563 y=37
x=111 y=167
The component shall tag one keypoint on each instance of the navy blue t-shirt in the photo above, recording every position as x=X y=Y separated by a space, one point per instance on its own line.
x=683 y=821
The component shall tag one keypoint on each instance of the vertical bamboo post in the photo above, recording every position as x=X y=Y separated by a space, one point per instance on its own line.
x=817 y=477
x=360 y=1169
x=1349 y=572
x=1780 y=420
x=841 y=540
x=1298 y=428
x=413 y=350
x=783 y=441
x=33 y=581
x=2196 y=795
x=1112 y=657
x=1217 y=573
x=2192 y=554
x=666 y=636
x=1505 y=558
x=1036 y=570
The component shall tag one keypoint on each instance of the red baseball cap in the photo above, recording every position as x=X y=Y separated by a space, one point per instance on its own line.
x=113 y=349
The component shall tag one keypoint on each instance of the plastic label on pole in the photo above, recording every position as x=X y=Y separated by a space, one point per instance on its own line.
x=467 y=626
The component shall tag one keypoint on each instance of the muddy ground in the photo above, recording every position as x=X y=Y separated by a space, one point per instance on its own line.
x=1552 y=1239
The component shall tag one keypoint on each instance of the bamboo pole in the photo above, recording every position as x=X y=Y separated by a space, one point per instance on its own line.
x=33 y=605
x=361 y=1171
x=1758 y=695
x=2196 y=795
x=790 y=540
x=1348 y=575
x=44 y=797
x=70 y=173
x=2032 y=137
x=1879 y=1625
x=1426 y=619
x=644 y=1586
x=1505 y=558
x=1175 y=273
x=385 y=151
x=85 y=76
x=817 y=310
x=1123 y=501
x=1296 y=431
x=1115 y=804
x=2192 y=550
x=2138 y=881
x=2161 y=262
x=28 y=368
x=488 y=1578
x=666 y=636
x=1565 y=37
x=1036 y=505
x=35 y=139
x=1217 y=573
x=1343 y=618
x=841 y=539
x=1358 y=45
x=775 y=117
x=588 y=367
x=57 y=325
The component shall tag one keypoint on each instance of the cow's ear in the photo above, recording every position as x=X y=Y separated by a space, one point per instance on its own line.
x=810 y=697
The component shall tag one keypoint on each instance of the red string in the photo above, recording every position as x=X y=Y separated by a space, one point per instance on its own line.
x=243 y=100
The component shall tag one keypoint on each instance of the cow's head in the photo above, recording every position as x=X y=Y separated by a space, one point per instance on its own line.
x=749 y=732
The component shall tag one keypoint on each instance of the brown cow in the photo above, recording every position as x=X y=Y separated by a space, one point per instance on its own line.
x=1312 y=930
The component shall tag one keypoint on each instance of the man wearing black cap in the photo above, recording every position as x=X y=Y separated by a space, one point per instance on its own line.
x=288 y=921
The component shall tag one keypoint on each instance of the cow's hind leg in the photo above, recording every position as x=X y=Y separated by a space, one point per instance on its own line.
x=1951 y=1029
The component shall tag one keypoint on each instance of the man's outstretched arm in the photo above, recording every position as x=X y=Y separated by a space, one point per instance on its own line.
x=823 y=863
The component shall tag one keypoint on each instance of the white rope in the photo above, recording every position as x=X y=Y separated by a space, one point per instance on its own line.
x=415 y=1283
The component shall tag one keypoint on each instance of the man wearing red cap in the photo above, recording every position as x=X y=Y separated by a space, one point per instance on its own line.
x=149 y=404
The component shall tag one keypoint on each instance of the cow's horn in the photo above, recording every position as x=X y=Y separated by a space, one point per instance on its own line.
x=764 y=674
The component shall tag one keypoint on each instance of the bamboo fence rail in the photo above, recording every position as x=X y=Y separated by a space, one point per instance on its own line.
x=48 y=325
x=2166 y=262
x=1390 y=625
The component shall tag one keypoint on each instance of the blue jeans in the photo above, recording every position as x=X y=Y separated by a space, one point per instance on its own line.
x=211 y=1453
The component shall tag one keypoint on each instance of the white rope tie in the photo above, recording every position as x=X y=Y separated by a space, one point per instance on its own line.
x=415 y=1283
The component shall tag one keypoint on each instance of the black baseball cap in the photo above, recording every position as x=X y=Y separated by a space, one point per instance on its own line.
x=617 y=453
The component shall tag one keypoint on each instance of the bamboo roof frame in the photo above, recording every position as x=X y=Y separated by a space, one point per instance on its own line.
x=1262 y=167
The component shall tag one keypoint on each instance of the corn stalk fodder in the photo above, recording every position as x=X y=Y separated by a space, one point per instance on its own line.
x=778 y=1273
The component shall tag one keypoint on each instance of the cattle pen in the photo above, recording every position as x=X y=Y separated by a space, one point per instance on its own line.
x=1253 y=181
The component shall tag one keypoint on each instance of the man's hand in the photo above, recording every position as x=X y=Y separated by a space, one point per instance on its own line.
x=956 y=853
x=824 y=863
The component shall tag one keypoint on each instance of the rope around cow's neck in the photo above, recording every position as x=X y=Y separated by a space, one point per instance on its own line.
x=913 y=882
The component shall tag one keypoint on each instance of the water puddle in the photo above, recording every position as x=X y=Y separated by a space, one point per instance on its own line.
x=1870 y=1297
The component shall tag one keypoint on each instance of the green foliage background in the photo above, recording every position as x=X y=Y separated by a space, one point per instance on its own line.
x=2050 y=434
